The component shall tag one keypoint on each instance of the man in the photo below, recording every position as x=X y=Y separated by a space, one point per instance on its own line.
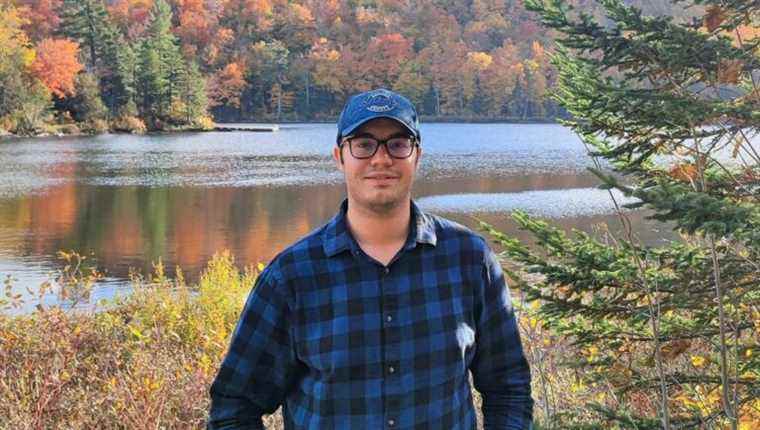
x=374 y=320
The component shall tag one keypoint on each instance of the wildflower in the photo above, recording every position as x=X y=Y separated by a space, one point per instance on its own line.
x=698 y=360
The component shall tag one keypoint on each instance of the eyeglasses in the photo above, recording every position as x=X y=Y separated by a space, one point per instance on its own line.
x=365 y=146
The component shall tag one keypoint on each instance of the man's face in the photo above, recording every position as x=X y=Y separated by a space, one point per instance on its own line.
x=379 y=183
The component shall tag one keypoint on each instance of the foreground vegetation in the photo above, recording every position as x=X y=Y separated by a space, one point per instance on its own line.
x=668 y=336
x=147 y=360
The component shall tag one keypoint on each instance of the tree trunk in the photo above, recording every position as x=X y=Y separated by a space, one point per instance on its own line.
x=308 y=97
x=437 y=102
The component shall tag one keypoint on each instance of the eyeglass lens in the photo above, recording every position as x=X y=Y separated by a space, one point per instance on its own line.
x=366 y=147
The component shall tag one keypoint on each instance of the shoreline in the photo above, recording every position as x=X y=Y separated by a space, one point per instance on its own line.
x=7 y=136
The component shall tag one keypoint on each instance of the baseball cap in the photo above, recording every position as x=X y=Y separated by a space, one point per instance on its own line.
x=378 y=103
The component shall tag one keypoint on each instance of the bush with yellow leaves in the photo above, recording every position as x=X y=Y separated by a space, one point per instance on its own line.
x=145 y=361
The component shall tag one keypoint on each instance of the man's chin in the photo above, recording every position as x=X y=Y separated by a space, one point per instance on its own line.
x=384 y=203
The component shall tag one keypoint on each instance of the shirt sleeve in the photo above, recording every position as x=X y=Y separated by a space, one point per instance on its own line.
x=500 y=370
x=260 y=366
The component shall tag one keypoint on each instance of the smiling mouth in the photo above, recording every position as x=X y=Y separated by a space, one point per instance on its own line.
x=381 y=177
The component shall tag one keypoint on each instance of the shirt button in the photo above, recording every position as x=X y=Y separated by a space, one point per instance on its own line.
x=391 y=369
x=391 y=422
x=387 y=270
x=389 y=318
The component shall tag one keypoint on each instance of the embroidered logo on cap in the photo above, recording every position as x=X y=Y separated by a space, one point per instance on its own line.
x=380 y=103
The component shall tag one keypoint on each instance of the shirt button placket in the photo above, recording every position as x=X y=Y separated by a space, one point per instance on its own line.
x=392 y=387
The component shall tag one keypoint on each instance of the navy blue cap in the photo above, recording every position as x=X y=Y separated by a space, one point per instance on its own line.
x=379 y=103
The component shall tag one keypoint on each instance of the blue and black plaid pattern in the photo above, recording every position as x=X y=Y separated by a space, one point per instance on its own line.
x=343 y=342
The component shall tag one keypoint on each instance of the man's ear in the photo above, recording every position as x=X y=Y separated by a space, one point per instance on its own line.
x=338 y=157
x=419 y=155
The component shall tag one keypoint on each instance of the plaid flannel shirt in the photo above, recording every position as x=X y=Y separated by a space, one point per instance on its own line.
x=341 y=341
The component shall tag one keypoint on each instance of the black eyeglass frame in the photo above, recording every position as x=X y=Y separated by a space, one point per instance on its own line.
x=415 y=144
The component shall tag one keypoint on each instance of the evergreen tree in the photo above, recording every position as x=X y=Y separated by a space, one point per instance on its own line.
x=194 y=94
x=152 y=82
x=166 y=45
x=161 y=66
x=88 y=22
x=190 y=102
x=117 y=83
x=127 y=64
x=267 y=65
x=672 y=107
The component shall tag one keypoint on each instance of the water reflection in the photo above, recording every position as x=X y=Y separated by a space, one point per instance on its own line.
x=130 y=227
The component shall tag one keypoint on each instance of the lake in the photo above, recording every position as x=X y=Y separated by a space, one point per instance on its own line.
x=127 y=201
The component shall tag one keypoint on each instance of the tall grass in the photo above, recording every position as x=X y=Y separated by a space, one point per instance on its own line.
x=144 y=362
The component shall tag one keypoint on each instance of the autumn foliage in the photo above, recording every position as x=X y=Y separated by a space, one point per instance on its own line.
x=281 y=59
x=146 y=362
x=42 y=15
x=226 y=85
x=56 y=65
x=300 y=59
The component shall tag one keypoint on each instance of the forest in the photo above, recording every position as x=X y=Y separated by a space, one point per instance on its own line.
x=135 y=65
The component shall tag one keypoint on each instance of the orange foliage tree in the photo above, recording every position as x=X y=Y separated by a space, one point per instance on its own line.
x=56 y=65
x=499 y=79
x=383 y=58
x=226 y=85
x=197 y=26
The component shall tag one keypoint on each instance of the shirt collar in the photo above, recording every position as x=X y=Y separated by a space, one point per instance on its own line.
x=337 y=238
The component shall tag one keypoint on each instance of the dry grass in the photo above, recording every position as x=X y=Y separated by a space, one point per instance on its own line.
x=146 y=362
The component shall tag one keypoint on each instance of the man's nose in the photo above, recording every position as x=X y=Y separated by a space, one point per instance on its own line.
x=382 y=156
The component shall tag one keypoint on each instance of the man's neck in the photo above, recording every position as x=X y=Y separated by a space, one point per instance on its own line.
x=375 y=229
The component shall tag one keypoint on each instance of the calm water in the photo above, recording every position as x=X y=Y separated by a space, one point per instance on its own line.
x=128 y=200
